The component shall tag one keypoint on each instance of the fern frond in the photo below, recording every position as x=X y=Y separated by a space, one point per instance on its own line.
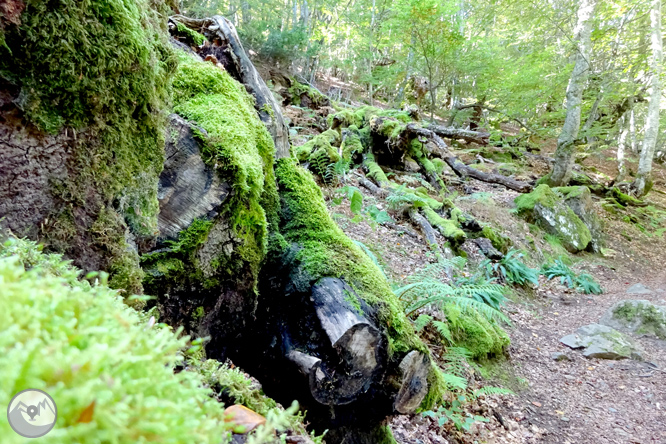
x=443 y=329
x=421 y=322
x=370 y=254
x=454 y=382
x=487 y=391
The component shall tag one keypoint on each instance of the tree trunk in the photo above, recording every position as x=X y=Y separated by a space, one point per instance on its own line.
x=621 y=146
x=566 y=141
x=643 y=181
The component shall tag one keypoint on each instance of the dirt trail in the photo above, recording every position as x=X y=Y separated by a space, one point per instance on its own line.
x=585 y=400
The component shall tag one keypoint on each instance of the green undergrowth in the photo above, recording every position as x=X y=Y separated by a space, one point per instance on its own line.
x=482 y=337
x=92 y=353
x=360 y=117
x=99 y=71
x=237 y=145
x=192 y=38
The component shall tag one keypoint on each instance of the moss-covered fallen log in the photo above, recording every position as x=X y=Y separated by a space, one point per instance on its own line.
x=460 y=168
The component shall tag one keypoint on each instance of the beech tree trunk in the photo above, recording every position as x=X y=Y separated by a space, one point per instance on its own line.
x=566 y=142
x=643 y=181
x=621 y=147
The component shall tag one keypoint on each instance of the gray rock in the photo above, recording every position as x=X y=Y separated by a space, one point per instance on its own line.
x=603 y=342
x=579 y=199
x=638 y=317
x=638 y=289
x=188 y=188
x=560 y=221
x=559 y=356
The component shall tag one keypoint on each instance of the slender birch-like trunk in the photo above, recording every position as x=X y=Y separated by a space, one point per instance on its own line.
x=643 y=181
x=564 y=155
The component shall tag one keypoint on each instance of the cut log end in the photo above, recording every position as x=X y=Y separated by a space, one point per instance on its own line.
x=414 y=367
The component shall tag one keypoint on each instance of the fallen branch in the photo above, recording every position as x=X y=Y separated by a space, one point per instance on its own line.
x=460 y=168
x=457 y=133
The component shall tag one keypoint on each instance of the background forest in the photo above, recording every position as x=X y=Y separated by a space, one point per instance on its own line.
x=504 y=60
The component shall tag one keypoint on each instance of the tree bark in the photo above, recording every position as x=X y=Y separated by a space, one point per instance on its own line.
x=643 y=181
x=564 y=154
x=222 y=34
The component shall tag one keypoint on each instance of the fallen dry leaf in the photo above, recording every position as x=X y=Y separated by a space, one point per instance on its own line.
x=86 y=415
x=243 y=419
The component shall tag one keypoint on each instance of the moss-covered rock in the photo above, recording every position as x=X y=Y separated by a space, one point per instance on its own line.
x=548 y=210
x=579 y=199
x=602 y=342
x=638 y=317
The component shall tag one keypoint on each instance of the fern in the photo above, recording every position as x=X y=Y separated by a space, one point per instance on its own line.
x=454 y=382
x=443 y=329
x=431 y=291
x=422 y=321
x=456 y=359
x=511 y=269
x=488 y=391
x=584 y=282
x=559 y=269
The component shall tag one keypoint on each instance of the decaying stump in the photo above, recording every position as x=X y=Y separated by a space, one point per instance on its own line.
x=225 y=45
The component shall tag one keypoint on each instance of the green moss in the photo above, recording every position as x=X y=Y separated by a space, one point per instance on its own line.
x=103 y=71
x=351 y=144
x=555 y=217
x=448 y=228
x=481 y=337
x=84 y=347
x=192 y=37
x=625 y=199
x=650 y=319
x=238 y=146
x=375 y=172
x=298 y=89
x=542 y=194
x=320 y=146
x=500 y=242
x=570 y=192
x=437 y=389
x=108 y=233
x=325 y=251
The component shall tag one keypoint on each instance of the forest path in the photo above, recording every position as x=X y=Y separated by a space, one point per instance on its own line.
x=585 y=400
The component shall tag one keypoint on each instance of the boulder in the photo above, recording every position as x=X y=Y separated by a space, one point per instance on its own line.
x=546 y=208
x=638 y=289
x=638 y=317
x=579 y=199
x=603 y=342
